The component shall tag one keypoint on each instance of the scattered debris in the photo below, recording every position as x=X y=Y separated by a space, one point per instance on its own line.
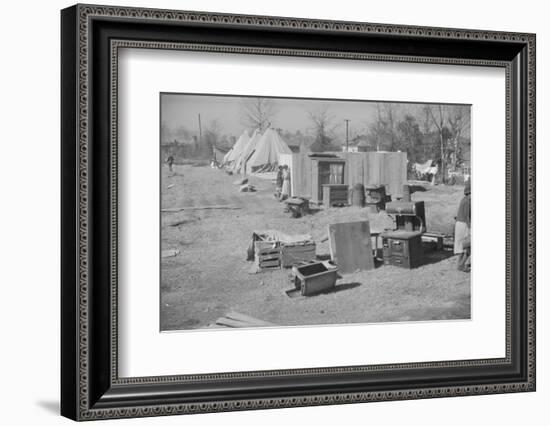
x=269 y=176
x=179 y=222
x=247 y=188
x=237 y=320
x=436 y=238
x=169 y=253
x=240 y=181
x=179 y=209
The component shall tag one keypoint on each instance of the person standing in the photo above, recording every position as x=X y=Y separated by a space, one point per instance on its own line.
x=170 y=162
x=462 y=230
x=279 y=182
x=285 y=190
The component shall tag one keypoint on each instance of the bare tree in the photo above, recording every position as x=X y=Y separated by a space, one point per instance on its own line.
x=409 y=136
x=391 y=119
x=384 y=128
x=322 y=128
x=437 y=119
x=378 y=129
x=459 y=123
x=258 y=113
x=450 y=122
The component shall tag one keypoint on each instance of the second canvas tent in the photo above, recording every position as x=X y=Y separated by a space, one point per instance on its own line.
x=266 y=152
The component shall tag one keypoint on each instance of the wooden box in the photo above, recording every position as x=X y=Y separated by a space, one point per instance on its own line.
x=267 y=254
x=335 y=195
x=315 y=277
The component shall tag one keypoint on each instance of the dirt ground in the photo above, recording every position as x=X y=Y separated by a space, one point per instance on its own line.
x=210 y=275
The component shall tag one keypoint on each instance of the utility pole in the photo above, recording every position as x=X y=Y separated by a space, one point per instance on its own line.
x=200 y=129
x=347 y=135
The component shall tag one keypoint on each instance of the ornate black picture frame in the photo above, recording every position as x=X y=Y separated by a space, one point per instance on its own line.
x=90 y=38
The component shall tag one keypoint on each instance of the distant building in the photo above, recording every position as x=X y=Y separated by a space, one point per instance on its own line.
x=359 y=143
x=294 y=145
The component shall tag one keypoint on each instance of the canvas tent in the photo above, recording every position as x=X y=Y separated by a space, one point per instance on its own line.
x=240 y=161
x=226 y=156
x=267 y=151
x=237 y=148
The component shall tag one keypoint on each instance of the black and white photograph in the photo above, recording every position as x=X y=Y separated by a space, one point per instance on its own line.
x=283 y=212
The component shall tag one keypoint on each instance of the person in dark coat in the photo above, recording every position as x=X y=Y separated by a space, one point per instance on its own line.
x=462 y=230
x=170 y=162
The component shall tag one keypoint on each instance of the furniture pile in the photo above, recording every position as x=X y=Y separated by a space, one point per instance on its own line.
x=273 y=249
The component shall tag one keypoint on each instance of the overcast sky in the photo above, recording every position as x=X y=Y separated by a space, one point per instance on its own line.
x=290 y=114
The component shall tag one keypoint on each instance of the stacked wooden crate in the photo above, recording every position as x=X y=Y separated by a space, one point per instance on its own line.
x=267 y=254
x=272 y=249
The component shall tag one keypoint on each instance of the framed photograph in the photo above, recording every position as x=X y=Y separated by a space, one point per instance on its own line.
x=263 y=212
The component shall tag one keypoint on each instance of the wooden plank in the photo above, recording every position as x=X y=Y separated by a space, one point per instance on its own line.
x=372 y=168
x=247 y=318
x=394 y=172
x=315 y=181
x=355 y=173
x=390 y=174
x=178 y=209
x=295 y=176
x=269 y=263
x=228 y=322
x=169 y=253
x=305 y=163
x=351 y=246
x=269 y=256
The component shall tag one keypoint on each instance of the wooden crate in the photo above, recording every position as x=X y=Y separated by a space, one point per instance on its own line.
x=267 y=254
x=292 y=254
x=315 y=277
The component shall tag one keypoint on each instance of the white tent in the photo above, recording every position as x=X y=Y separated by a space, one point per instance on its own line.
x=267 y=151
x=227 y=156
x=237 y=148
x=240 y=161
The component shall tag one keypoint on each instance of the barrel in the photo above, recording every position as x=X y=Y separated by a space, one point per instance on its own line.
x=358 y=195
